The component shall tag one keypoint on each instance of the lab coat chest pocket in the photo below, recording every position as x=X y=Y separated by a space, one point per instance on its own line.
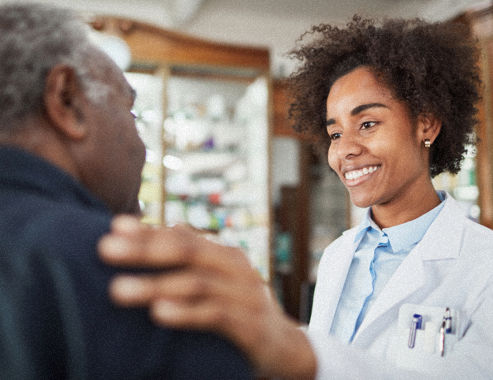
x=424 y=334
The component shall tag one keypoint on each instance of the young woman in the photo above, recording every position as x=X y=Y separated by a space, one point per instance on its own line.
x=409 y=292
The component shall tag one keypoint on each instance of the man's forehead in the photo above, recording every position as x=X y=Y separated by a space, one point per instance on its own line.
x=121 y=85
x=107 y=70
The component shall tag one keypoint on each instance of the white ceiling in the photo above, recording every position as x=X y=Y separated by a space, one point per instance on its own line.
x=334 y=9
x=182 y=14
x=278 y=23
x=275 y=24
x=329 y=10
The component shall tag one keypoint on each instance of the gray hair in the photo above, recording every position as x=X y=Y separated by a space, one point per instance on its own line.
x=33 y=39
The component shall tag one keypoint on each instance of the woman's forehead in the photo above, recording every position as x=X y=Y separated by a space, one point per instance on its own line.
x=358 y=86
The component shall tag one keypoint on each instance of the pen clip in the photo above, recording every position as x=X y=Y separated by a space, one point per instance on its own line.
x=447 y=318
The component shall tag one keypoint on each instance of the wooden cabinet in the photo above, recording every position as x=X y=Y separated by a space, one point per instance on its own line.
x=480 y=23
x=282 y=126
x=293 y=213
x=203 y=110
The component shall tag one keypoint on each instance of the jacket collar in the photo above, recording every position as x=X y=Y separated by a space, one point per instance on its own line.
x=432 y=245
x=445 y=231
x=22 y=170
x=404 y=235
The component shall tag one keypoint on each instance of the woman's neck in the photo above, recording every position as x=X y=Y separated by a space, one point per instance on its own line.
x=395 y=213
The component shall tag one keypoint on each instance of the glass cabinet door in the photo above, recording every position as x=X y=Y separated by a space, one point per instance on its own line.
x=148 y=112
x=463 y=186
x=207 y=165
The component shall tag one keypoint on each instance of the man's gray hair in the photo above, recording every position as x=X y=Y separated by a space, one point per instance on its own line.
x=33 y=39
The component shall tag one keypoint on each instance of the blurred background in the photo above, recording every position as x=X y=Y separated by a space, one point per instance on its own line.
x=212 y=109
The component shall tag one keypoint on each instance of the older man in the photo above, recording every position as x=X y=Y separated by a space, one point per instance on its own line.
x=71 y=158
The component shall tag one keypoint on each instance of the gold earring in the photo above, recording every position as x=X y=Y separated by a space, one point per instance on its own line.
x=427 y=143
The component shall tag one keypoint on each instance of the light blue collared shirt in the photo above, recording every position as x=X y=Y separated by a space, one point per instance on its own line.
x=378 y=255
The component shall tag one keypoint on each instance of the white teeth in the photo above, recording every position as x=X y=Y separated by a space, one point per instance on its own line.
x=358 y=173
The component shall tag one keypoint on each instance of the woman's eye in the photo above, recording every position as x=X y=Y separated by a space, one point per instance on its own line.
x=335 y=136
x=368 y=124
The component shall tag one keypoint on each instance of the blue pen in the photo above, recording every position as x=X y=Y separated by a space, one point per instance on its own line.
x=415 y=325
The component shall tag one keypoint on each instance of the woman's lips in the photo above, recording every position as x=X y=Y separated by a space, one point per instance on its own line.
x=357 y=176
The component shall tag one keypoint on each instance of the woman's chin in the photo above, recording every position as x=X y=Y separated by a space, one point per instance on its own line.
x=360 y=201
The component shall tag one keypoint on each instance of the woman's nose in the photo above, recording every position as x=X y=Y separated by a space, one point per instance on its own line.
x=348 y=146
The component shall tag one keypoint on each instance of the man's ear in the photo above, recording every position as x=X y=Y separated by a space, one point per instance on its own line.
x=428 y=127
x=62 y=97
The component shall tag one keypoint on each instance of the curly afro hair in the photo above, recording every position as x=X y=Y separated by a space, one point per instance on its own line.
x=431 y=67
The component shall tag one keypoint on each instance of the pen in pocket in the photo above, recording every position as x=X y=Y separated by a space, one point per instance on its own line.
x=446 y=328
x=415 y=325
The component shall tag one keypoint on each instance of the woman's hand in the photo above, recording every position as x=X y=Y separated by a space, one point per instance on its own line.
x=203 y=285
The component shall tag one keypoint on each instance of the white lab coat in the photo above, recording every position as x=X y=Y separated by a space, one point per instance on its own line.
x=452 y=266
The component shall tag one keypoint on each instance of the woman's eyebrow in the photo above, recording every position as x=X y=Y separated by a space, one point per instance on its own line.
x=364 y=107
x=358 y=110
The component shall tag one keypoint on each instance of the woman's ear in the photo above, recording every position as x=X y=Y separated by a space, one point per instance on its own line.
x=428 y=127
x=62 y=96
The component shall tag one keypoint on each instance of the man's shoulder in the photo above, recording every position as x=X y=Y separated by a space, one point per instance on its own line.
x=50 y=227
x=74 y=220
x=70 y=226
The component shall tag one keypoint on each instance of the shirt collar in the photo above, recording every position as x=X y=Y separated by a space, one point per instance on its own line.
x=364 y=226
x=402 y=236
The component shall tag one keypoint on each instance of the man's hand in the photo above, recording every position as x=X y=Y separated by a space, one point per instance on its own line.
x=203 y=285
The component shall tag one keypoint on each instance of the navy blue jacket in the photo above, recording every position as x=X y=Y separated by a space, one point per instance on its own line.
x=56 y=320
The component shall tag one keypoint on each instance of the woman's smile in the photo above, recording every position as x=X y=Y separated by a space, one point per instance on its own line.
x=355 y=177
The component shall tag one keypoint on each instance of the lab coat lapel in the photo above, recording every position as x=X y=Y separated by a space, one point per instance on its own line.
x=441 y=242
x=407 y=279
x=338 y=274
x=329 y=286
